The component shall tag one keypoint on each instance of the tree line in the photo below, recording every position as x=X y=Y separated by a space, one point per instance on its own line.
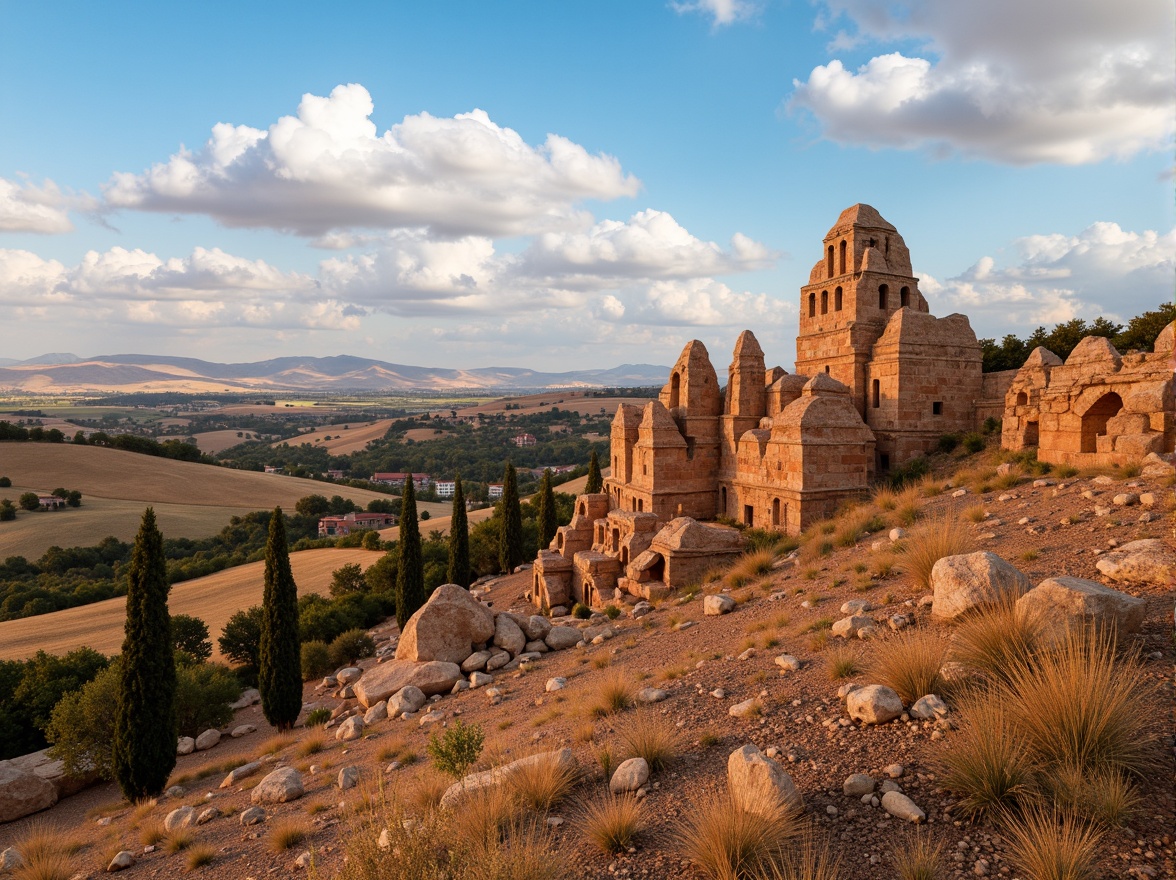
x=1138 y=335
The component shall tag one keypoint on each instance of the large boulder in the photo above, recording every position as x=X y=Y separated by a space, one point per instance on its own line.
x=629 y=776
x=382 y=681
x=561 y=637
x=962 y=583
x=757 y=783
x=22 y=792
x=445 y=628
x=284 y=784
x=1068 y=602
x=561 y=760
x=1150 y=561
x=508 y=635
x=873 y=704
x=408 y=699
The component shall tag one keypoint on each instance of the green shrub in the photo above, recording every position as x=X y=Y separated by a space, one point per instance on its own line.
x=612 y=612
x=973 y=443
x=350 y=646
x=457 y=749
x=318 y=717
x=948 y=442
x=581 y=611
x=991 y=425
x=316 y=660
x=204 y=692
x=7 y=511
x=5 y=482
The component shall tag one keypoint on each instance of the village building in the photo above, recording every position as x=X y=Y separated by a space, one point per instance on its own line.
x=50 y=502
x=878 y=381
x=494 y=490
x=445 y=488
x=522 y=440
x=344 y=524
x=420 y=482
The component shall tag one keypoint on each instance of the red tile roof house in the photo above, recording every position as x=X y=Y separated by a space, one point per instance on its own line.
x=335 y=526
x=51 y=502
x=524 y=440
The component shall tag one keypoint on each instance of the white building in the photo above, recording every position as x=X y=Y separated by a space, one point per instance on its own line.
x=445 y=488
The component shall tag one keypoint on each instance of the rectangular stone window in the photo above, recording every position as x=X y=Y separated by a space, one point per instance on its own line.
x=748 y=515
x=937 y=408
x=877 y=392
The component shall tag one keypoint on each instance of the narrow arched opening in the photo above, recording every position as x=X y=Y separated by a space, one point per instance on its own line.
x=843 y=249
x=829 y=264
x=776 y=512
x=675 y=390
x=883 y=296
x=876 y=392
x=904 y=297
x=824 y=302
x=1022 y=398
x=812 y=305
x=837 y=297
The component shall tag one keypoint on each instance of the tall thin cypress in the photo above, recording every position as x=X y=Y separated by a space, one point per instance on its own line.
x=410 y=574
x=279 y=677
x=510 y=535
x=595 y=480
x=548 y=522
x=459 y=539
x=144 y=746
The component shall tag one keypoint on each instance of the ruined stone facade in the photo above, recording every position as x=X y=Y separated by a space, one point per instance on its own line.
x=1098 y=408
x=879 y=380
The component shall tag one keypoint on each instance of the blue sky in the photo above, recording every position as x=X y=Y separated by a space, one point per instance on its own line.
x=571 y=184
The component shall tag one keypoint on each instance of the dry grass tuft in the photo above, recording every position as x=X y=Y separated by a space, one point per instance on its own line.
x=813 y=859
x=199 y=856
x=750 y=567
x=998 y=638
x=612 y=822
x=426 y=790
x=277 y=742
x=1046 y=845
x=909 y=662
x=650 y=736
x=885 y=498
x=47 y=866
x=613 y=694
x=47 y=852
x=543 y=782
x=918 y=857
x=286 y=834
x=178 y=840
x=150 y=833
x=726 y=841
x=976 y=513
x=939 y=537
x=312 y=745
x=1102 y=796
x=842 y=662
x=987 y=763
x=1080 y=705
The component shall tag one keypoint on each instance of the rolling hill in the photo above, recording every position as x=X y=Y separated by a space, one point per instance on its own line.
x=62 y=373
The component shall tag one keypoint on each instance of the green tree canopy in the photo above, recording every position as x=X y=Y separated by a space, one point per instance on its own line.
x=595 y=480
x=190 y=635
x=547 y=514
x=279 y=675
x=510 y=544
x=410 y=575
x=458 y=571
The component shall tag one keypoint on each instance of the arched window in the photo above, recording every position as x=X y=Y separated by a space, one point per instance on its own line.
x=904 y=297
x=776 y=511
x=1022 y=398
x=824 y=302
x=812 y=305
x=843 y=256
x=826 y=369
x=829 y=264
x=675 y=389
x=837 y=300
x=877 y=392
x=883 y=294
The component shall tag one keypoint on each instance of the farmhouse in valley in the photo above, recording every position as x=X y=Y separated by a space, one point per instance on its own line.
x=345 y=524
x=879 y=380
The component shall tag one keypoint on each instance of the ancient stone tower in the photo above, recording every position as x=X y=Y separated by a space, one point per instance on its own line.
x=863 y=277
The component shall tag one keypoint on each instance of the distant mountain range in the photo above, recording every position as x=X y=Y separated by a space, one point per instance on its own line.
x=60 y=373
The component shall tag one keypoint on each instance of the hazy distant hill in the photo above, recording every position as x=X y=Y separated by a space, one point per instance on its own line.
x=140 y=372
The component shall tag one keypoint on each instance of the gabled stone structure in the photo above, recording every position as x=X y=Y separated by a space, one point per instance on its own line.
x=1097 y=408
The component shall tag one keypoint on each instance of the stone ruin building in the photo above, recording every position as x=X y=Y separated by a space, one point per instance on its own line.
x=878 y=381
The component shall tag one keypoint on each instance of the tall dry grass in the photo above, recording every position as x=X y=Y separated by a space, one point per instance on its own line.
x=987 y=765
x=612 y=822
x=1048 y=845
x=812 y=859
x=614 y=694
x=727 y=840
x=995 y=639
x=941 y=536
x=48 y=852
x=541 y=783
x=909 y=661
x=750 y=567
x=649 y=735
x=917 y=856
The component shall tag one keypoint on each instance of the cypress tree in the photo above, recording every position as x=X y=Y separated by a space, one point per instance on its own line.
x=547 y=518
x=144 y=746
x=279 y=676
x=459 y=539
x=410 y=574
x=510 y=536
x=595 y=481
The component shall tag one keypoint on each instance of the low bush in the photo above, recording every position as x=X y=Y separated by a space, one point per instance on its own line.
x=917 y=857
x=318 y=717
x=351 y=646
x=455 y=751
x=286 y=834
x=316 y=660
x=995 y=639
x=581 y=611
x=843 y=662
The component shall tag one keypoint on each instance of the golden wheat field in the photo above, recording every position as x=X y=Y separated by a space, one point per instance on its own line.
x=345 y=439
x=214 y=599
x=191 y=500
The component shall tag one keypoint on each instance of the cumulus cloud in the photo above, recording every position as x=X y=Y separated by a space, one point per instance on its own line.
x=26 y=207
x=1015 y=82
x=720 y=12
x=328 y=169
x=207 y=289
x=1104 y=270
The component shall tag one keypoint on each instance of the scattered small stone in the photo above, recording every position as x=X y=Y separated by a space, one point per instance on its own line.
x=788 y=663
x=651 y=695
x=928 y=708
x=182 y=817
x=556 y=684
x=208 y=739
x=857 y=606
x=873 y=704
x=629 y=776
x=900 y=806
x=208 y=815
x=745 y=709
x=897 y=534
x=253 y=816
x=857 y=784
x=717 y=604
x=121 y=861
x=348 y=778
x=350 y=729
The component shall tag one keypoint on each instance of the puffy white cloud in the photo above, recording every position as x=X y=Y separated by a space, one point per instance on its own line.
x=328 y=169
x=207 y=289
x=25 y=207
x=1104 y=270
x=1017 y=82
x=721 y=12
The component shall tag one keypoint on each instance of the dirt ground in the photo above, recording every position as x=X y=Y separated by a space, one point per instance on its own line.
x=802 y=717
